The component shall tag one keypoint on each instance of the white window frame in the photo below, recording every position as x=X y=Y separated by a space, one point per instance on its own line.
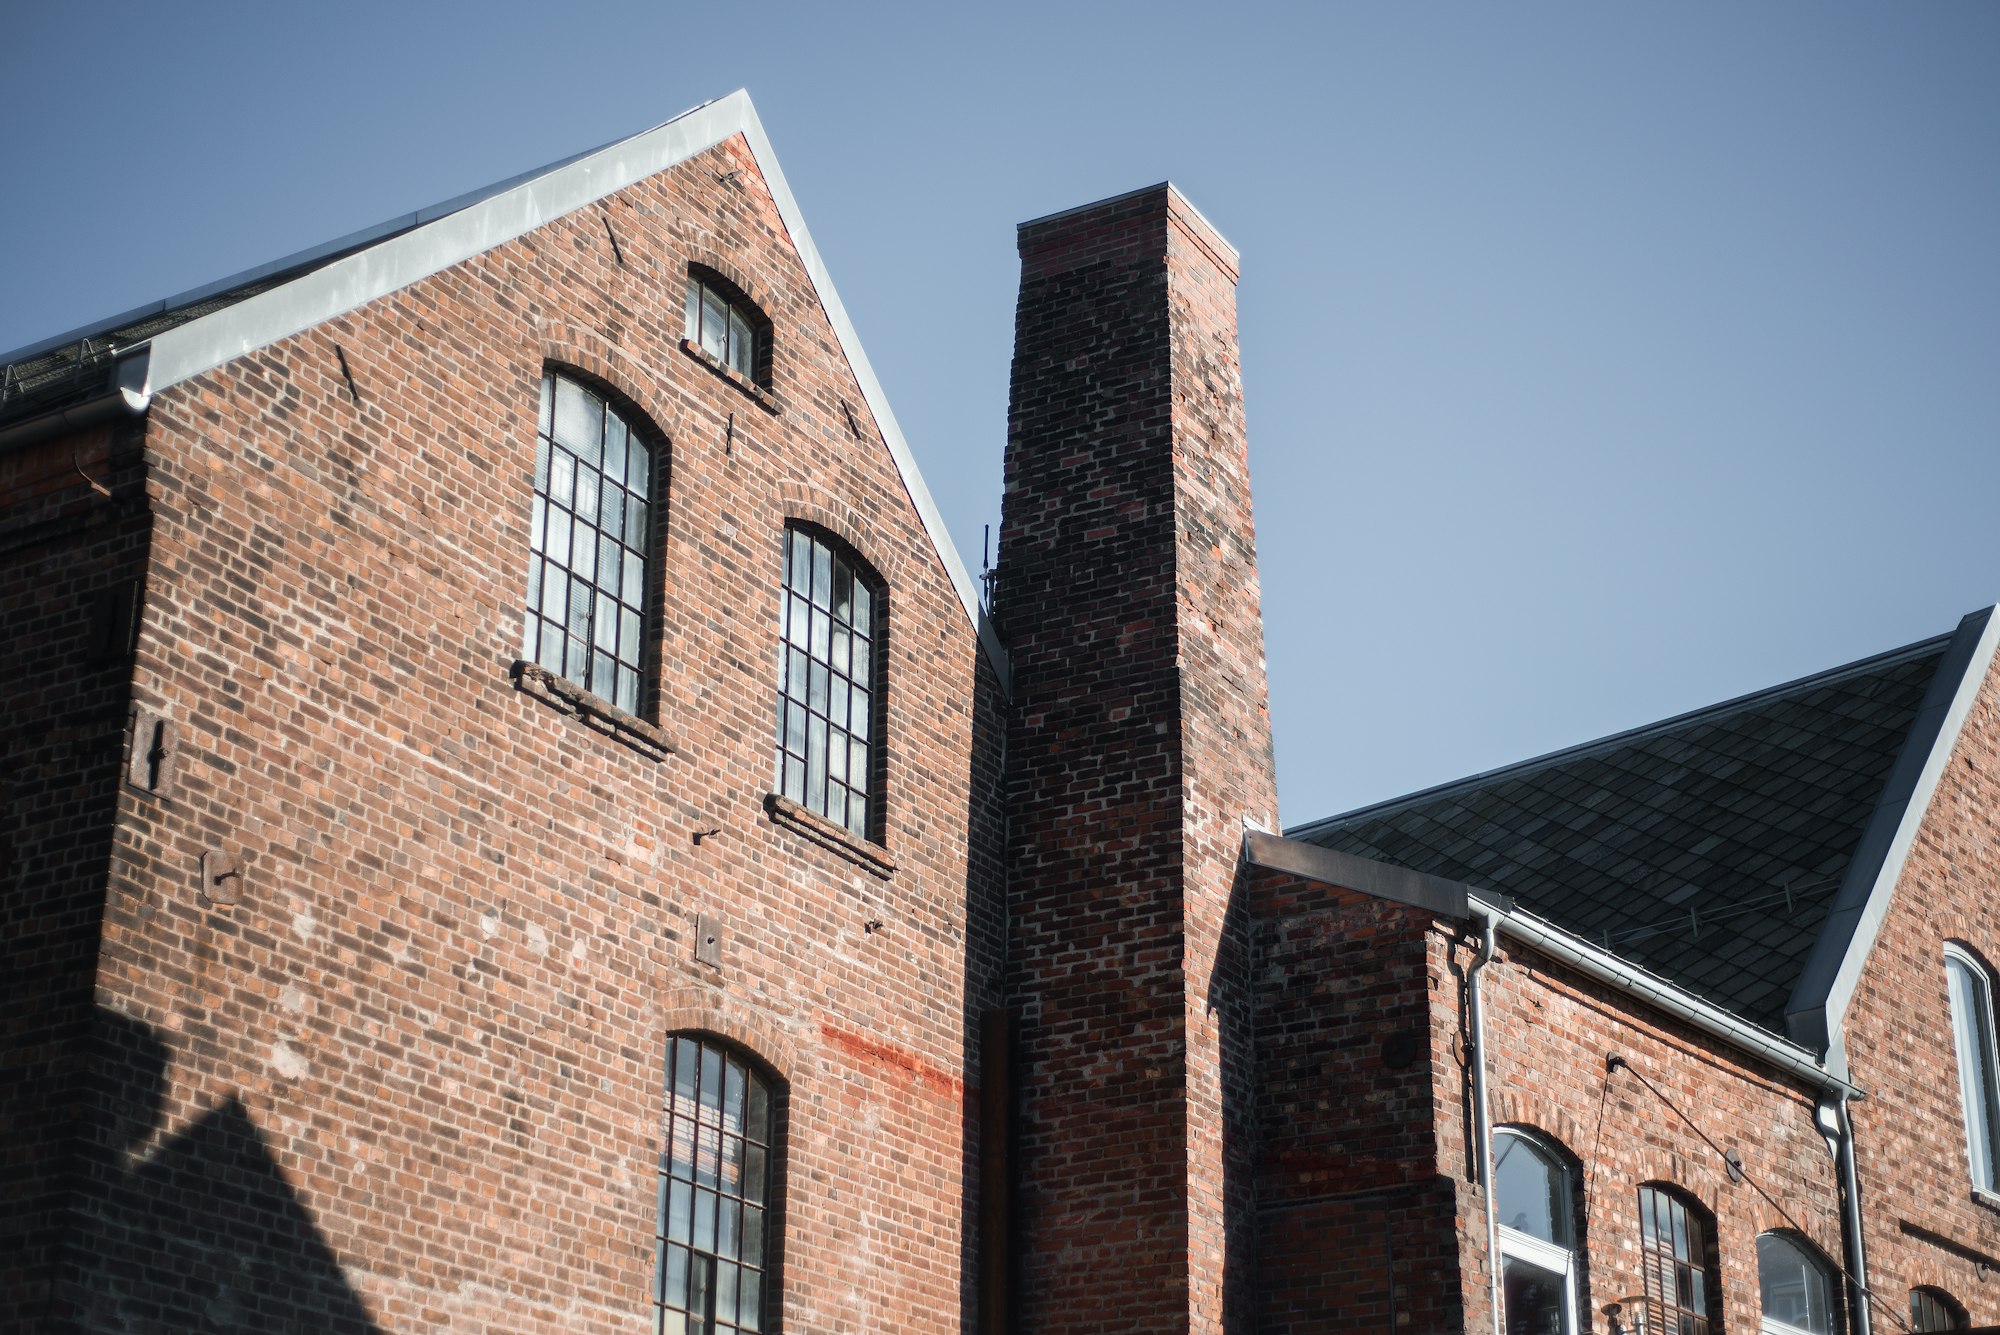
x=1549 y=1256
x=1979 y=1100
x=1828 y=1279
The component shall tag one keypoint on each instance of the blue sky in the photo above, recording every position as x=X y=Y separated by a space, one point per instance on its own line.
x=1602 y=361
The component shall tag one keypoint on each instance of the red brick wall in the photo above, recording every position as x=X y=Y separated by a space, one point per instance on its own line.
x=413 y=1078
x=66 y=550
x=1549 y=1032
x=1923 y=1225
x=1366 y=1121
x=1140 y=743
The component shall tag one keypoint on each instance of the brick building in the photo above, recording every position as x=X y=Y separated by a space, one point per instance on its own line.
x=516 y=818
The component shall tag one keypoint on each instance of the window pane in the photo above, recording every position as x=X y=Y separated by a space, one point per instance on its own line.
x=559 y=527
x=548 y=403
x=586 y=492
x=610 y=511
x=635 y=523
x=562 y=478
x=1532 y=1190
x=614 y=447
x=628 y=690
x=579 y=609
x=638 y=469
x=579 y=418
x=1794 y=1286
x=692 y=327
x=634 y=588
x=1972 y=1029
x=1532 y=1298
x=714 y=325
x=551 y=656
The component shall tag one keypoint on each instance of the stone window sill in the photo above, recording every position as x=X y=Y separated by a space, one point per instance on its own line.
x=763 y=398
x=1986 y=1198
x=566 y=697
x=872 y=858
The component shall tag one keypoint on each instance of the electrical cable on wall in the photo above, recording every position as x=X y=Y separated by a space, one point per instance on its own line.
x=1614 y=1062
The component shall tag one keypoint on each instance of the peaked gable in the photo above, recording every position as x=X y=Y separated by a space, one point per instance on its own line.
x=1716 y=849
x=205 y=328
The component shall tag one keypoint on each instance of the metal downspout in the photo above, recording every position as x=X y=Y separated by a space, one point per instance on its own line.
x=1489 y=946
x=1850 y=1223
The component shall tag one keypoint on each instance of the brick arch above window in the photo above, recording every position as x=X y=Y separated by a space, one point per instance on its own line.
x=629 y=374
x=1539 y=1119
x=692 y=1011
x=809 y=503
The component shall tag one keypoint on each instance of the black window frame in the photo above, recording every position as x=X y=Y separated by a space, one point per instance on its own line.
x=743 y=336
x=819 y=695
x=1694 y=1305
x=709 y=1289
x=609 y=649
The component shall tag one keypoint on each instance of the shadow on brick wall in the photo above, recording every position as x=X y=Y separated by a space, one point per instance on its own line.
x=199 y=1233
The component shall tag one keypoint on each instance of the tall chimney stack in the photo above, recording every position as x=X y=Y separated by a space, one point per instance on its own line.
x=1140 y=746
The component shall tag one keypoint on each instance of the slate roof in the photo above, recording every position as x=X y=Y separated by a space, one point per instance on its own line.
x=1706 y=848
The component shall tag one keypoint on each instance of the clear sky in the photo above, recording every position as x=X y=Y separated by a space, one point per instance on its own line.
x=1602 y=361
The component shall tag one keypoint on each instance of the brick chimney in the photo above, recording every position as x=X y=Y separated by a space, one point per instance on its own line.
x=1140 y=745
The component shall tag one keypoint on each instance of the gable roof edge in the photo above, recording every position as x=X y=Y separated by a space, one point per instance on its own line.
x=417 y=247
x=1817 y=1010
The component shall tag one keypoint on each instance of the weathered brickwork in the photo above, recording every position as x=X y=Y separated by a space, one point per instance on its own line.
x=341 y=958
x=411 y=1078
x=1923 y=1223
x=1368 y=1157
x=1549 y=1034
x=72 y=560
x=1350 y=1188
x=1139 y=744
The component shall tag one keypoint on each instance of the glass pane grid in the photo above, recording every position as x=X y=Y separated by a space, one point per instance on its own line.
x=826 y=696
x=1674 y=1248
x=720 y=329
x=584 y=615
x=713 y=1198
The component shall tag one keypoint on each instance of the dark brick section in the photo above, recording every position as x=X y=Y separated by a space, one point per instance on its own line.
x=1139 y=744
x=1349 y=1192
x=72 y=539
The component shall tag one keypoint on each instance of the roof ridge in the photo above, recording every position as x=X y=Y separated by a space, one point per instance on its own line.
x=1612 y=741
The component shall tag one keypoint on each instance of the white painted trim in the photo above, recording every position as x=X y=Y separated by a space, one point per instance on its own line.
x=430 y=247
x=1875 y=908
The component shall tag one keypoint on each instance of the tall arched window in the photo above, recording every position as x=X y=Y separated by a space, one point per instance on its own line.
x=1934 y=1310
x=590 y=539
x=1978 y=1063
x=1795 y=1284
x=716 y=1236
x=1677 y=1258
x=828 y=682
x=1537 y=1217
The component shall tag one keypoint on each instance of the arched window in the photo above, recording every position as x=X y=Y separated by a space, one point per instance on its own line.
x=1537 y=1216
x=716 y=1235
x=590 y=542
x=829 y=682
x=1978 y=1064
x=1676 y=1248
x=1795 y=1284
x=1934 y=1309
x=722 y=323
